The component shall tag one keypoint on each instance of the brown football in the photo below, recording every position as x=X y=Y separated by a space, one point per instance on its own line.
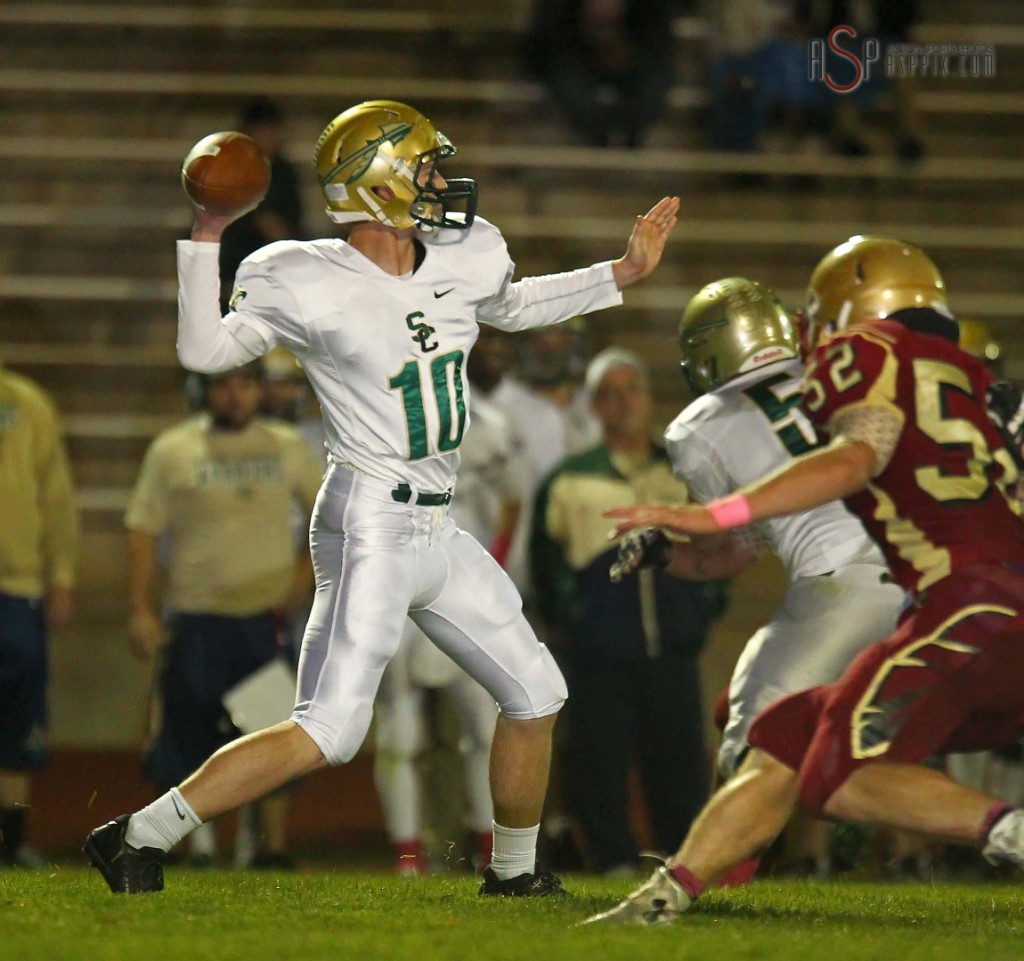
x=226 y=174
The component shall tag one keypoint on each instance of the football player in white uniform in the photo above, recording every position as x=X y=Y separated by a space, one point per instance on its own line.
x=382 y=324
x=486 y=505
x=741 y=356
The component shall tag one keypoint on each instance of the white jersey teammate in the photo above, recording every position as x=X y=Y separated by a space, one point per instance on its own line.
x=840 y=597
x=741 y=355
x=382 y=325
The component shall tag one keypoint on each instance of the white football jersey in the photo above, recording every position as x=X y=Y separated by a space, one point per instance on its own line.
x=385 y=355
x=746 y=429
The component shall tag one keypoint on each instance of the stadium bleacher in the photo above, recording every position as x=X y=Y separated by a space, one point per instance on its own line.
x=95 y=130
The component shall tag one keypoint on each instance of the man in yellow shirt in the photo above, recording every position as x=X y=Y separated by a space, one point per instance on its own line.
x=221 y=487
x=38 y=545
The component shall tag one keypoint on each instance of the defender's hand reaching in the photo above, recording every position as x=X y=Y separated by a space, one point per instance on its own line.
x=679 y=520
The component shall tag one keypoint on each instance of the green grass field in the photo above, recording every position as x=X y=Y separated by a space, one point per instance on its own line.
x=67 y=914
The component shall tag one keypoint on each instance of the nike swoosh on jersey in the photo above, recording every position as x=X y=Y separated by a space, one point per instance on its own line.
x=444 y=293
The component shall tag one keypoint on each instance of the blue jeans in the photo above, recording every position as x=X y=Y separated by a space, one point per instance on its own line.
x=23 y=683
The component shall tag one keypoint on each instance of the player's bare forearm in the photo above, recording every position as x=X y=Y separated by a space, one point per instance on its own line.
x=812 y=480
x=805 y=483
x=646 y=243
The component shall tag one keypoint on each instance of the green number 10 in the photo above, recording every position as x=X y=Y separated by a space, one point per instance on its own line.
x=446 y=382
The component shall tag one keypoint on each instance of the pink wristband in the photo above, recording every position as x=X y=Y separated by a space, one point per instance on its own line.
x=731 y=511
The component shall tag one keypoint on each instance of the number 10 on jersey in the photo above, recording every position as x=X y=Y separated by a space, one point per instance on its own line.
x=444 y=382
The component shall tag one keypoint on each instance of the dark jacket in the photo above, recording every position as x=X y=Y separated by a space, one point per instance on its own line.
x=648 y=614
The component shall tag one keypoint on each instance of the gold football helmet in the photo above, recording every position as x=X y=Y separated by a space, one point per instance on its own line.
x=976 y=338
x=731 y=327
x=378 y=161
x=867 y=278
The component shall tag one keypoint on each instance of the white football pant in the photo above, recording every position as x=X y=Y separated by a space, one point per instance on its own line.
x=377 y=561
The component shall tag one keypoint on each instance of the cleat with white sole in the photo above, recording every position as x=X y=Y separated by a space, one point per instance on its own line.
x=659 y=900
x=1005 y=842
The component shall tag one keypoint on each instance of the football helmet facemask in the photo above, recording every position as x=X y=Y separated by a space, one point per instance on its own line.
x=731 y=327
x=868 y=278
x=378 y=161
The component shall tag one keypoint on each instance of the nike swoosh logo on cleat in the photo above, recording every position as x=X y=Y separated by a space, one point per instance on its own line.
x=444 y=293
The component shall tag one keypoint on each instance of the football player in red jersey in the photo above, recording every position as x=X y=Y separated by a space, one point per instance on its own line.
x=915 y=454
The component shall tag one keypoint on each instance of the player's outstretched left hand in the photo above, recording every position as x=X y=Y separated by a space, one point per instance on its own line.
x=646 y=242
x=679 y=520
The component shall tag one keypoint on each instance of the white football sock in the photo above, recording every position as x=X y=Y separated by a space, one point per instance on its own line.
x=163 y=823
x=515 y=851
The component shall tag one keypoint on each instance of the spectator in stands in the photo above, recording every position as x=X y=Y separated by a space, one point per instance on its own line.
x=629 y=650
x=280 y=216
x=887 y=21
x=221 y=485
x=38 y=553
x=487 y=505
x=761 y=96
x=607 y=63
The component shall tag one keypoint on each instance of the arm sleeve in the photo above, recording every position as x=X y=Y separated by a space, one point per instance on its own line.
x=872 y=424
x=550 y=299
x=56 y=504
x=266 y=313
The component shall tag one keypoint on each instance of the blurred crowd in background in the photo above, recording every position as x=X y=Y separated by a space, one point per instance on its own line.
x=610 y=66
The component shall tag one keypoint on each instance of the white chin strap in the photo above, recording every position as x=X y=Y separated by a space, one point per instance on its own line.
x=346 y=216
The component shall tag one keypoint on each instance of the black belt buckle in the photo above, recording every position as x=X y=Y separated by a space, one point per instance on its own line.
x=403 y=494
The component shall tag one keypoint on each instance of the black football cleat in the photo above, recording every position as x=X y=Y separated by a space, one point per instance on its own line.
x=543 y=884
x=126 y=870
